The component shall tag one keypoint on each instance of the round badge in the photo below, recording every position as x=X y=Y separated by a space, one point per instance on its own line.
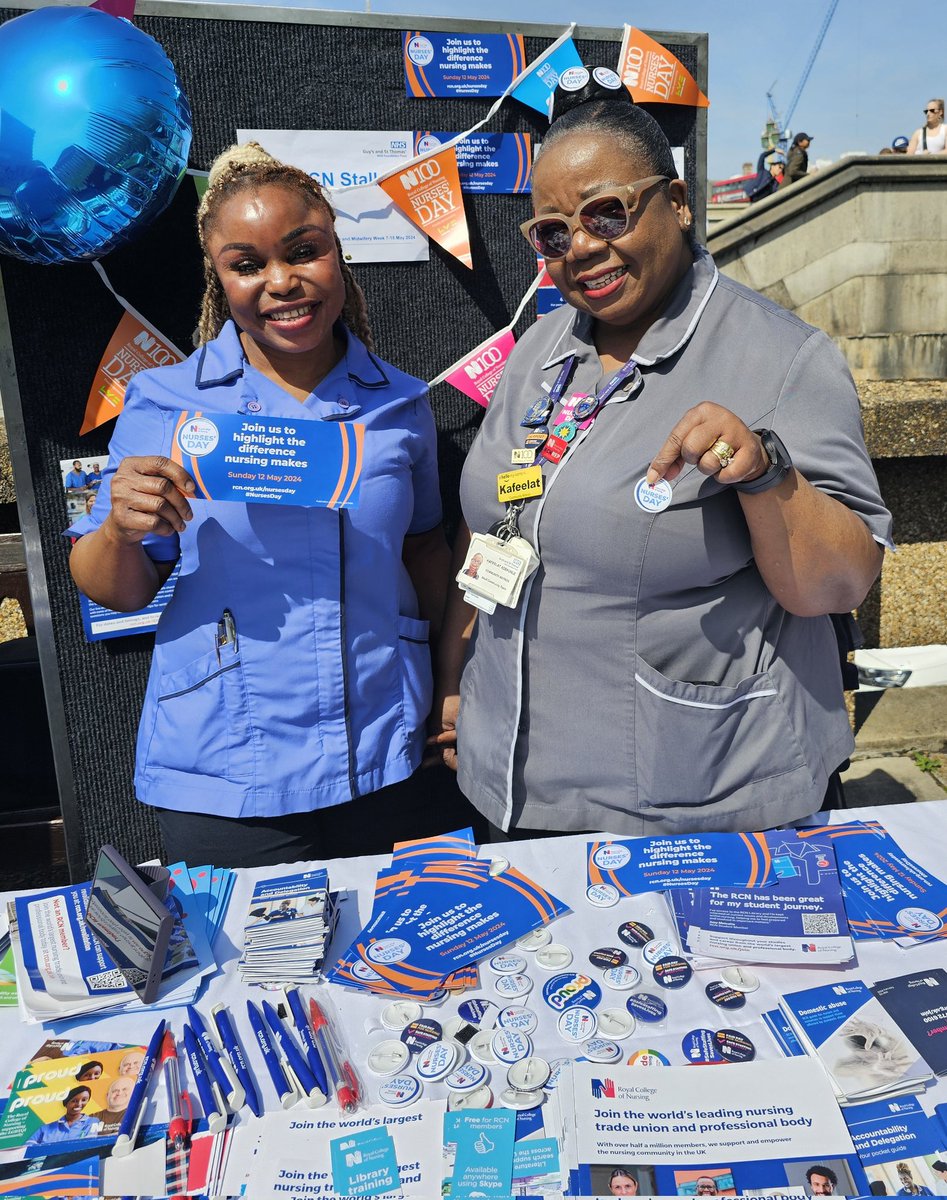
x=652 y=499
x=558 y=1065
x=389 y=950
x=523 y=1020
x=648 y=1058
x=534 y=939
x=622 y=979
x=479 y=1012
x=554 y=957
x=480 y=1097
x=388 y=1057
x=565 y=430
x=740 y=979
x=511 y=1098
x=607 y=957
x=480 y=1046
x=437 y=1060
x=458 y=1030
x=511 y=986
x=635 y=933
x=919 y=920
x=507 y=964
x=698 y=1046
x=672 y=972
x=398 y=1092
x=577 y=1024
x=421 y=1033
x=509 y=1046
x=564 y=991
x=613 y=855
x=607 y=78
x=602 y=895
x=471 y=1075
x=646 y=1007
x=734 y=1046
x=529 y=1074
x=584 y=407
x=399 y=1013
x=724 y=996
x=657 y=949
x=573 y=79
x=601 y=1050
x=616 y=1023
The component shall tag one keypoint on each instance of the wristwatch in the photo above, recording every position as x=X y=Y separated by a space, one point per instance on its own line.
x=779 y=465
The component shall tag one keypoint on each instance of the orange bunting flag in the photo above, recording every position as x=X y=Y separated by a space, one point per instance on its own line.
x=427 y=190
x=134 y=347
x=651 y=73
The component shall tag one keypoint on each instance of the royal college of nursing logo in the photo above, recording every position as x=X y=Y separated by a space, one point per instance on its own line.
x=198 y=436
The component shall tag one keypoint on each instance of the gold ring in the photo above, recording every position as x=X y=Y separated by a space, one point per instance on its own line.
x=723 y=452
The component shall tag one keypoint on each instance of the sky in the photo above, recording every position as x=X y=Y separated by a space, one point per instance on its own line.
x=877 y=66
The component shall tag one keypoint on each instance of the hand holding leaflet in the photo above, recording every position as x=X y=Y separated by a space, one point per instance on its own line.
x=228 y=1037
x=211 y=1100
x=128 y=1130
x=344 y=1080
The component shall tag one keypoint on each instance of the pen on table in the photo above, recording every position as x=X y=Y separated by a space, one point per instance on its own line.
x=128 y=1130
x=293 y=1064
x=220 y=1067
x=228 y=1037
x=308 y=1040
x=285 y=1089
x=211 y=1100
x=344 y=1080
x=178 y=1127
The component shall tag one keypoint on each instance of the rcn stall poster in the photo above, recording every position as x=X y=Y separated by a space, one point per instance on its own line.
x=347 y=162
x=273 y=460
x=486 y=162
x=461 y=64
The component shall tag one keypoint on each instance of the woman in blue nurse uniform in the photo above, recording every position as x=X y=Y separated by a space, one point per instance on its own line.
x=291 y=677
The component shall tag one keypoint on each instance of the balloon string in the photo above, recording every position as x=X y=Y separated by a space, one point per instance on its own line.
x=527 y=296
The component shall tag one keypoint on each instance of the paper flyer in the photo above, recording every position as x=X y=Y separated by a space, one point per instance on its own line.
x=918 y=1005
x=898 y=1145
x=692 y=860
x=486 y=162
x=761 y=1125
x=271 y=460
x=134 y=346
x=347 y=162
x=461 y=64
x=651 y=73
x=428 y=192
x=76 y=1178
x=482 y=1141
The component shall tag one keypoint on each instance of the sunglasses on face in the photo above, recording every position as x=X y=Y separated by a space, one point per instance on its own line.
x=931 y=110
x=604 y=217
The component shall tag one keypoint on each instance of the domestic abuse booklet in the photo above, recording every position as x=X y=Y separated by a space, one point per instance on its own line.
x=866 y=1053
x=918 y=1004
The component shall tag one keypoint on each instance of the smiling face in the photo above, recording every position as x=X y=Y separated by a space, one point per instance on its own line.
x=76 y=1103
x=119 y=1093
x=131 y=1063
x=274 y=251
x=820 y=1185
x=625 y=283
x=621 y=1184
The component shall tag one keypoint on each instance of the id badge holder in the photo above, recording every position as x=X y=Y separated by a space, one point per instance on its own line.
x=495 y=570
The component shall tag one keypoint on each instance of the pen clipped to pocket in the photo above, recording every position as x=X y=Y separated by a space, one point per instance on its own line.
x=226 y=634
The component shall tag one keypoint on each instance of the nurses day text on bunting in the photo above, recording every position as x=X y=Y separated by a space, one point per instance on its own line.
x=427 y=191
x=652 y=73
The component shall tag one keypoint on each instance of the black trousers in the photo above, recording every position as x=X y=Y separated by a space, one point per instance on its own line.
x=426 y=804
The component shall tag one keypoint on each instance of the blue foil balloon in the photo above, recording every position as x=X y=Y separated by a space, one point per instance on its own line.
x=94 y=133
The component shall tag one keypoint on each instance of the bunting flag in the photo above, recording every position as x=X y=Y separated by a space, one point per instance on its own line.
x=116 y=8
x=651 y=73
x=427 y=190
x=135 y=345
x=535 y=86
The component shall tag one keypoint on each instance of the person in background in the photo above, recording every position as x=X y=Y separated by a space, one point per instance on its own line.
x=76 y=479
x=622 y=1182
x=93 y=478
x=822 y=1180
x=908 y=1186
x=291 y=680
x=900 y=144
x=931 y=138
x=764 y=182
x=797 y=161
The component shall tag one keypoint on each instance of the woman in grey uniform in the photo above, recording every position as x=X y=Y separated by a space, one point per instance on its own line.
x=699 y=499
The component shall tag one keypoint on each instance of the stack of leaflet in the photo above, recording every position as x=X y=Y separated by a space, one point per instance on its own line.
x=288 y=928
x=864 y=1051
x=209 y=889
x=437 y=911
x=799 y=920
x=63 y=971
x=7 y=966
x=887 y=894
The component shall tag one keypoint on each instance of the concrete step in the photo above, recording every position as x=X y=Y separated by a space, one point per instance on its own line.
x=891 y=780
x=900 y=721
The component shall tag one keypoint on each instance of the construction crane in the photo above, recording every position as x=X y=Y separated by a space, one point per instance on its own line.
x=777 y=130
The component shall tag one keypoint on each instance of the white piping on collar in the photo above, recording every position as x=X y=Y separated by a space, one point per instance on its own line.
x=650 y=362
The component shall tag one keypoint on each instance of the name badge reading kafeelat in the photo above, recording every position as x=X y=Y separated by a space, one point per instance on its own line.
x=519 y=485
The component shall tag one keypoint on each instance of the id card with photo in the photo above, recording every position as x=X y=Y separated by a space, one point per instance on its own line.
x=495 y=570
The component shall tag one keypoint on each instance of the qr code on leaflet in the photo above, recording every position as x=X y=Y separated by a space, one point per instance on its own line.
x=106 y=981
x=815 y=923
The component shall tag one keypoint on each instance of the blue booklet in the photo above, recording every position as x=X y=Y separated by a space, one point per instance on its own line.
x=918 y=1003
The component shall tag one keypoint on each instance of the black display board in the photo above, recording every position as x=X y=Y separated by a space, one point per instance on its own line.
x=259 y=69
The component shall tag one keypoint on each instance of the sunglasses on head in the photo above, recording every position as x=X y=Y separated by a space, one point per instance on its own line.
x=605 y=217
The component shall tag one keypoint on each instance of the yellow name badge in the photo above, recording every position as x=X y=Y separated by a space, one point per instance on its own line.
x=519 y=485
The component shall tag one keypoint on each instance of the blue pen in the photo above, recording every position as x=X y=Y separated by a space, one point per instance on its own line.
x=294 y=1064
x=304 y=1029
x=228 y=1036
x=208 y=1091
x=220 y=1069
x=285 y=1091
x=128 y=1130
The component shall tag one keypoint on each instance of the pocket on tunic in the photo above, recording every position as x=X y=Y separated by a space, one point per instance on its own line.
x=202 y=720
x=699 y=744
x=417 y=681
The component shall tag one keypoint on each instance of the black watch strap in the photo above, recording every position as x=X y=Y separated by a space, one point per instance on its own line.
x=779 y=465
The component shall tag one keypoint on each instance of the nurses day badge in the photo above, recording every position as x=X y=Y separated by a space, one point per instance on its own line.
x=652 y=499
x=198 y=436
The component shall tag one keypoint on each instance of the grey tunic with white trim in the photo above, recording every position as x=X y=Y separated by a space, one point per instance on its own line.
x=648 y=682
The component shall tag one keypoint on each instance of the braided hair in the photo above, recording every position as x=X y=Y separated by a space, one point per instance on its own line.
x=249 y=166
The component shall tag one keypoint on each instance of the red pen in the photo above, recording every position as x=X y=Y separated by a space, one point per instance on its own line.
x=344 y=1079
x=177 y=1100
